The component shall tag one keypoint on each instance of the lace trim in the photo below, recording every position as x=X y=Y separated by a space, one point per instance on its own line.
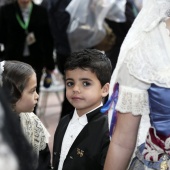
x=132 y=101
x=154 y=68
x=34 y=131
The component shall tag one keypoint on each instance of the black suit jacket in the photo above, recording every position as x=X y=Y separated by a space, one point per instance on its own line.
x=13 y=36
x=89 y=150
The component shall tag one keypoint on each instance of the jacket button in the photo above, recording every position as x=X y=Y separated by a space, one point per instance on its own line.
x=55 y=153
x=71 y=157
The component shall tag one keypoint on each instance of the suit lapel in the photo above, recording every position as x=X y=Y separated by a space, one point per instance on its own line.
x=60 y=136
x=84 y=133
x=33 y=13
x=18 y=11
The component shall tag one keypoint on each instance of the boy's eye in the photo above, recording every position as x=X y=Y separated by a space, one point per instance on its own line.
x=69 y=84
x=86 y=83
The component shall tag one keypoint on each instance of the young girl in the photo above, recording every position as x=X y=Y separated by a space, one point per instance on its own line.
x=12 y=138
x=19 y=81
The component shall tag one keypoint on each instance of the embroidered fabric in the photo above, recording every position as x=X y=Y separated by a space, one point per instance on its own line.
x=34 y=131
x=155 y=146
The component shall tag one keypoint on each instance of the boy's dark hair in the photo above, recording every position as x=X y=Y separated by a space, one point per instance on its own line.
x=15 y=77
x=92 y=59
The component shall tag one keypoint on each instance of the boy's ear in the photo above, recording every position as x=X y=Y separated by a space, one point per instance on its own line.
x=105 y=90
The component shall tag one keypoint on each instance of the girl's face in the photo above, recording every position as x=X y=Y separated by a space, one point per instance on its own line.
x=29 y=97
x=83 y=90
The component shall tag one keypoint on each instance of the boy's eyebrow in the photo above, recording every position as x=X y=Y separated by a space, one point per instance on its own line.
x=86 y=79
x=80 y=79
x=68 y=79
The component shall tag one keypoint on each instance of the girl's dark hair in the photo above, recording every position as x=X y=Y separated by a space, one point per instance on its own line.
x=15 y=77
x=92 y=59
x=13 y=136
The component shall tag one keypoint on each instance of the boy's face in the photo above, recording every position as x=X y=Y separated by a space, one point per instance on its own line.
x=29 y=97
x=83 y=90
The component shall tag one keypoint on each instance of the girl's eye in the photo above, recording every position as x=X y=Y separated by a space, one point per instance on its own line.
x=33 y=90
x=86 y=83
x=69 y=84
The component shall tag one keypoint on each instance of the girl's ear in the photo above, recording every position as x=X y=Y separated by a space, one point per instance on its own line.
x=105 y=90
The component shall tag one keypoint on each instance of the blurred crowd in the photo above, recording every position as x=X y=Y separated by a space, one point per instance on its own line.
x=60 y=27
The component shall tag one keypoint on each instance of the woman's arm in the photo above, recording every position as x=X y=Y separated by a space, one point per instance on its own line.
x=123 y=142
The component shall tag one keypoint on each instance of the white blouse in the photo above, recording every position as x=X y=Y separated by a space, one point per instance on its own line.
x=133 y=95
x=74 y=128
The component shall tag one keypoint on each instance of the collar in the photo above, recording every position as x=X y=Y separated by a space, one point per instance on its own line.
x=101 y=104
x=26 y=9
x=84 y=119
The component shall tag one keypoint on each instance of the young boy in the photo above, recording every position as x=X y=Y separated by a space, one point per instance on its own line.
x=81 y=139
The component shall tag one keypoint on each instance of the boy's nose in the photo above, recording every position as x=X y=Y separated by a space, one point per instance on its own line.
x=76 y=89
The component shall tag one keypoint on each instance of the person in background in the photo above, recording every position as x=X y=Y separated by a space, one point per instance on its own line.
x=140 y=85
x=82 y=137
x=120 y=30
x=25 y=33
x=19 y=82
x=3 y=2
x=59 y=19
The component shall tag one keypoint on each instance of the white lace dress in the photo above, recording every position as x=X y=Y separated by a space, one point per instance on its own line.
x=144 y=60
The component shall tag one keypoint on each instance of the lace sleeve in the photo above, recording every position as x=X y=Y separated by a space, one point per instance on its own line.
x=34 y=131
x=133 y=95
x=133 y=101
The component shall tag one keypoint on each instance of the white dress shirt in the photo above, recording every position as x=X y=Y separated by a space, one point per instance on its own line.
x=75 y=126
